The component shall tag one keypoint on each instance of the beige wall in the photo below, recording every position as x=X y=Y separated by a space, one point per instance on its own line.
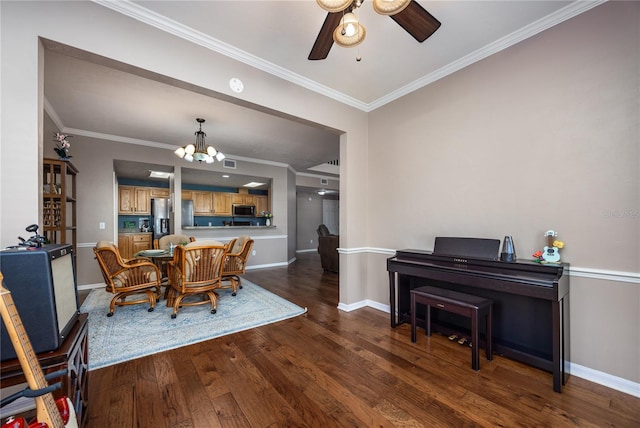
x=309 y=214
x=542 y=135
x=21 y=88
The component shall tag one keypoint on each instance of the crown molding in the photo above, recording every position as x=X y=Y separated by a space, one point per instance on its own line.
x=139 y=13
x=48 y=108
x=157 y=145
x=170 y=26
x=561 y=15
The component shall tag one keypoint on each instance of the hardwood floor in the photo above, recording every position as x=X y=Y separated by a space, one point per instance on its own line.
x=330 y=368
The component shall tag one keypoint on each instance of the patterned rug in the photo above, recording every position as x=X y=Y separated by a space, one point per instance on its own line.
x=132 y=332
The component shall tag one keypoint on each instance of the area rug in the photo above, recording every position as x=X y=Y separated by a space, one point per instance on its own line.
x=133 y=332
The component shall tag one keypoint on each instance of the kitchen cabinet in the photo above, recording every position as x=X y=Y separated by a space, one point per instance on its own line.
x=243 y=198
x=133 y=200
x=222 y=203
x=202 y=203
x=131 y=243
x=262 y=204
x=141 y=242
x=158 y=192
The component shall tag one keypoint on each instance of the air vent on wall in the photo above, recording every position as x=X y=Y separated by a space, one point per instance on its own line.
x=229 y=163
x=324 y=181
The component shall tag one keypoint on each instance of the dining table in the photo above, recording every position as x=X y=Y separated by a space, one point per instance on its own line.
x=160 y=258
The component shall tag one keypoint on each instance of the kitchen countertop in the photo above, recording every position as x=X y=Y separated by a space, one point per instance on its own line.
x=132 y=231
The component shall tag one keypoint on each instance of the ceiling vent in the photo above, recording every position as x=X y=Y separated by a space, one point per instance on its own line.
x=324 y=181
x=229 y=163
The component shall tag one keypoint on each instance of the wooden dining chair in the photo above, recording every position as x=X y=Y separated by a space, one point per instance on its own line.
x=127 y=278
x=164 y=242
x=196 y=270
x=235 y=262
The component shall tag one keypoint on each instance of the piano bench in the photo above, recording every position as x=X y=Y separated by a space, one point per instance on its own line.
x=467 y=305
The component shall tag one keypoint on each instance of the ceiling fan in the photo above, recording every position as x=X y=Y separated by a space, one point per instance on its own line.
x=342 y=26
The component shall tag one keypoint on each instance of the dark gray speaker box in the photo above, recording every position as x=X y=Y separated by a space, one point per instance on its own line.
x=42 y=283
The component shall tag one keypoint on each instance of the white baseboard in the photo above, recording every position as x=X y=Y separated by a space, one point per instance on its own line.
x=606 y=379
x=364 y=303
x=268 y=265
x=86 y=287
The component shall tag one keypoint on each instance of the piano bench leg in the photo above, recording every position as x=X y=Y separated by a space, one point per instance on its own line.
x=458 y=303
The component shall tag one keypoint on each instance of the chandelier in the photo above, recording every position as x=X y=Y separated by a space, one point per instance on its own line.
x=199 y=151
x=350 y=32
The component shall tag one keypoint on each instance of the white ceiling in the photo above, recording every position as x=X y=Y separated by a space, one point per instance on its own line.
x=100 y=98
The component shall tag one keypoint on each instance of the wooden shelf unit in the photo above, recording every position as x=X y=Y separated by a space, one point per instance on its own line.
x=59 y=211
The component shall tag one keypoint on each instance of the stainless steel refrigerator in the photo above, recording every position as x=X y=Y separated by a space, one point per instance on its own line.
x=187 y=212
x=160 y=217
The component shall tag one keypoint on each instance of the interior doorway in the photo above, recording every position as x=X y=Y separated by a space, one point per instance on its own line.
x=331 y=215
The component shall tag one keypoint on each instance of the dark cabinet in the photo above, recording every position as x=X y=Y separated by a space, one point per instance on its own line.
x=73 y=356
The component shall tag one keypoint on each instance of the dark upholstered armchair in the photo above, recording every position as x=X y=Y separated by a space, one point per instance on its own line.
x=328 y=249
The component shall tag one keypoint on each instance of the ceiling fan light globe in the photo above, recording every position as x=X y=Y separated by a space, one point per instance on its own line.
x=346 y=41
x=334 y=5
x=190 y=149
x=180 y=152
x=390 y=7
x=350 y=30
x=349 y=19
x=220 y=156
x=188 y=157
x=209 y=159
x=211 y=151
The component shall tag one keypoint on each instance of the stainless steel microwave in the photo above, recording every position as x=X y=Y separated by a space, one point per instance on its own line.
x=243 y=210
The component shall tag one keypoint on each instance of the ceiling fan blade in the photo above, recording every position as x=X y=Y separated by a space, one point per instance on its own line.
x=324 y=41
x=417 y=21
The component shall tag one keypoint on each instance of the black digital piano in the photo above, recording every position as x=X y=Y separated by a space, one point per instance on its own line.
x=530 y=299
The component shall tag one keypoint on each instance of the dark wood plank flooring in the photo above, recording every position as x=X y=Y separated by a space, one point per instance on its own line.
x=330 y=368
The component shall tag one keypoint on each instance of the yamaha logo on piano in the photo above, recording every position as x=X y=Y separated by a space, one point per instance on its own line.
x=455 y=260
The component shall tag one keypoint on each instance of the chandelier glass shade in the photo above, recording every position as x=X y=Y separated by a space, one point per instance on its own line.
x=199 y=151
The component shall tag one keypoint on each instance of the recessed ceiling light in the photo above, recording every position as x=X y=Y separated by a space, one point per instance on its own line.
x=159 y=174
x=225 y=175
x=254 y=184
